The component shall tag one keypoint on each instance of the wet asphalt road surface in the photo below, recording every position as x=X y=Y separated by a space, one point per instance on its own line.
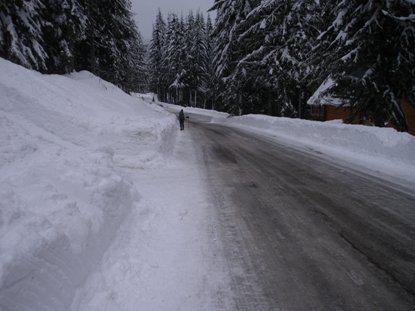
x=301 y=233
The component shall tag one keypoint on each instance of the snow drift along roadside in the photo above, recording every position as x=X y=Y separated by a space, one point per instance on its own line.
x=380 y=149
x=62 y=196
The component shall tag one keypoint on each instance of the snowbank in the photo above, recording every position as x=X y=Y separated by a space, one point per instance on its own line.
x=381 y=149
x=63 y=197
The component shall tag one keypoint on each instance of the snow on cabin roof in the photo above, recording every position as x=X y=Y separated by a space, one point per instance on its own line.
x=177 y=84
x=322 y=97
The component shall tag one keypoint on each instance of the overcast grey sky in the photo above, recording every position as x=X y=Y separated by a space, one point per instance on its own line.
x=146 y=10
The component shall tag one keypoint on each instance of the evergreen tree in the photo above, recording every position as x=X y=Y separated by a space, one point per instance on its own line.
x=134 y=67
x=198 y=65
x=368 y=50
x=250 y=76
x=187 y=75
x=157 y=46
x=210 y=77
x=174 y=59
x=230 y=13
x=21 y=38
x=112 y=48
x=272 y=45
x=58 y=36
x=64 y=23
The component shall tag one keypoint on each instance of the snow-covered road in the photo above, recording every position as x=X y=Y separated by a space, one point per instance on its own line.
x=166 y=256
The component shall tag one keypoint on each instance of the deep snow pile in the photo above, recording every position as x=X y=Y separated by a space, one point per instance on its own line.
x=62 y=194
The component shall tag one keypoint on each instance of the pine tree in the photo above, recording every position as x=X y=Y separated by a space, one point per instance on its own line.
x=198 y=51
x=210 y=78
x=21 y=38
x=230 y=13
x=368 y=50
x=134 y=66
x=250 y=76
x=58 y=36
x=113 y=43
x=64 y=23
x=276 y=38
x=174 y=59
x=157 y=46
x=188 y=65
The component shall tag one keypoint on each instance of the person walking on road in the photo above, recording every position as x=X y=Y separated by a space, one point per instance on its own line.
x=181 y=119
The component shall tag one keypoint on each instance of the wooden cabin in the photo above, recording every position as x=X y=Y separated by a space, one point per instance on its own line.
x=329 y=112
x=409 y=112
x=324 y=107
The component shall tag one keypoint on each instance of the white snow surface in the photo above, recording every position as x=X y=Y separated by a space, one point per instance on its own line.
x=167 y=255
x=65 y=142
x=103 y=205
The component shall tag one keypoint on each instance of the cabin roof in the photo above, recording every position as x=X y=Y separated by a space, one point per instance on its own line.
x=322 y=95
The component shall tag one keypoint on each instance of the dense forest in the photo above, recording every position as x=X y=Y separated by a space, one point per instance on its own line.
x=270 y=56
x=60 y=36
x=181 y=59
x=258 y=56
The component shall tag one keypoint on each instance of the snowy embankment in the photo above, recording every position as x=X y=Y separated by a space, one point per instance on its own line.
x=383 y=151
x=63 y=196
x=379 y=149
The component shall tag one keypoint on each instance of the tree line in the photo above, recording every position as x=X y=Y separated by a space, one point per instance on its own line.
x=60 y=36
x=180 y=64
x=259 y=56
x=270 y=56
